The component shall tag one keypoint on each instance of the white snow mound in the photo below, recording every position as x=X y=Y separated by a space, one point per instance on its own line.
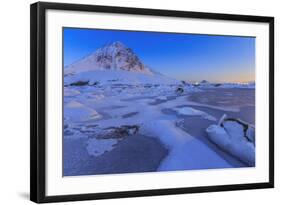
x=76 y=111
x=230 y=140
x=193 y=112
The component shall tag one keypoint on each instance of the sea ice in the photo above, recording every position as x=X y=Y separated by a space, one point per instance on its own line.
x=185 y=151
x=97 y=147
x=162 y=97
x=232 y=140
x=193 y=112
x=70 y=92
x=250 y=134
x=234 y=129
x=76 y=111
x=107 y=90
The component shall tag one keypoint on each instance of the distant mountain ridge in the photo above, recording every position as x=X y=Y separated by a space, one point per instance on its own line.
x=114 y=56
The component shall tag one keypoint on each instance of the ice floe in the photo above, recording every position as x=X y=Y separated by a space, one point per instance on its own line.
x=234 y=137
x=185 y=151
x=77 y=111
x=193 y=112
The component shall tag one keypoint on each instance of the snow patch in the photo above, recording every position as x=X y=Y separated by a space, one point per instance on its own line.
x=234 y=129
x=162 y=98
x=70 y=92
x=230 y=140
x=117 y=77
x=77 y=111
x=193 y=112
x=185 y=151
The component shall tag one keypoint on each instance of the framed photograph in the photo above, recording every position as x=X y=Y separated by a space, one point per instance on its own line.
x=129 y=102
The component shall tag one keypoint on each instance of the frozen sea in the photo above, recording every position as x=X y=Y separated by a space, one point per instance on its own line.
x=127 y=129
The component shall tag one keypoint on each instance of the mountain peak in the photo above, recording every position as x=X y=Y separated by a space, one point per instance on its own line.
x=117 y=44
x=113 y=56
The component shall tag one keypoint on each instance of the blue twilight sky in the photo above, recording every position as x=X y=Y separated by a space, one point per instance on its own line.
x=189 y=57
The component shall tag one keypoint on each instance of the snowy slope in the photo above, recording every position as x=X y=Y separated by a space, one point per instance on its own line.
x=118 y=77
x=113 y=64
x=115 y=56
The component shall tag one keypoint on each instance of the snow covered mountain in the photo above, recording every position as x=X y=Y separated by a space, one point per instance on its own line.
x=114 y=63
x=114 y=56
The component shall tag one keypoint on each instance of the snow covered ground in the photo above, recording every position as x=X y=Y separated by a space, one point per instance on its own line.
x=120 y=116
x=104 y=115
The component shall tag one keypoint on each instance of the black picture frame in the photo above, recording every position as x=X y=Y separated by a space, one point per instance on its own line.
x=38 y=101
